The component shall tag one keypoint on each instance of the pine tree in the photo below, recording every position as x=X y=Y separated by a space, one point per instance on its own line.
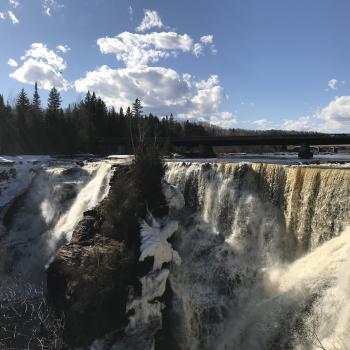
x=137 y=108
x=36 y=103
x=22 y=102
x=54 y=101
x=128 y=113
x=2 y=103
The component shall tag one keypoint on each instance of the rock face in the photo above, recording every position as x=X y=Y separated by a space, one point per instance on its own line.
x=88 y=282
x=91 y=278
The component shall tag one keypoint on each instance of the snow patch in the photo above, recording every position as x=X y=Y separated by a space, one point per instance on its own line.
x=147 y=310
x=16 y=174
x=154 y=243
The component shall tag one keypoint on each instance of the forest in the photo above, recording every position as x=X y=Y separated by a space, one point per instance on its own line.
x=27 y=127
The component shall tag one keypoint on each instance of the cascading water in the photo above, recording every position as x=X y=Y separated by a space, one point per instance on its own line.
x=265 y=257
x=43 y=217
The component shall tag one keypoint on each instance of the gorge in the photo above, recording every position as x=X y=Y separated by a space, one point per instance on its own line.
x=264 y=250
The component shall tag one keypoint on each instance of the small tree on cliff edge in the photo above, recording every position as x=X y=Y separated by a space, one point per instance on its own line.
x=137 y=112
x=148 y=171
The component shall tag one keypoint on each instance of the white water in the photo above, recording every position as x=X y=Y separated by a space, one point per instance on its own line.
x=265 y=257
x=45 y=215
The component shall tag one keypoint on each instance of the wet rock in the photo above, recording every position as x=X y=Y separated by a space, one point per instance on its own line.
x=74 y=172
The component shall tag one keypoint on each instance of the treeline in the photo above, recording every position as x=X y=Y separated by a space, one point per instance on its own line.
x=29 y=128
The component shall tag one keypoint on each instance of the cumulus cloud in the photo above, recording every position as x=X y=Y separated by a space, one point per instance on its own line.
x=11 y=62
x=161 y=90
x=2 y=16
x=50 y=6
x=141 y=49
x=39 y=51
x=336 y=116
x=13 y=18
x=158 y=87
x=209 y=83
x=300 y=124
x=205 y=106
x=150 y=20
x=43 y=66
x=14 y=3
x=63 y=48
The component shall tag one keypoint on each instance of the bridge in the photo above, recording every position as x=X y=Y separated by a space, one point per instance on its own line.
x=205 y=143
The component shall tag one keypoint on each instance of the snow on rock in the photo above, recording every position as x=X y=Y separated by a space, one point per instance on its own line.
x=154 y=243
x=173 y=195
x=147 y=310
x=16 y=174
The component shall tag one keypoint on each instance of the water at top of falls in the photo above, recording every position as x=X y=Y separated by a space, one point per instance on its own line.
x=265 y=254
x=45 y=215
x=341 y=160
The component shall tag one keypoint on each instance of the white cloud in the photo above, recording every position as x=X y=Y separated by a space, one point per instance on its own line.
x=63 y=48
x=332 y=84
x=43 y=66
x=39 y=51
x=14 y=3
x=38 y=71
x=198 y=49
x=13 y=18
x=336 y=116
x=161 y=90
x=299 y=124
x=206 y=106
x=209 y=83
x=150 y=20
x=50 y=6
x=157 y=87
x=206 y=40
x=11 y=62
x=141 y=49
x=2 y=16
x=262 y=123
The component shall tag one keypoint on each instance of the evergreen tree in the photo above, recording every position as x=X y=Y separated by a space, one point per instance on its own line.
x=36 y=102
x=2 y=103
x=137 y=108
x=22 y=102
x=54 y=101
x=128 y=113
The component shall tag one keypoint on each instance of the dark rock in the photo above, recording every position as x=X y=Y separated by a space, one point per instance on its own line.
x=4 y=176
x=89 y=284
x=74 y=172
x=13 y=173
x=65 y=192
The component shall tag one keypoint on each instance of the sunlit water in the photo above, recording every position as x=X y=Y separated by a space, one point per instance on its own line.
x=266 y=257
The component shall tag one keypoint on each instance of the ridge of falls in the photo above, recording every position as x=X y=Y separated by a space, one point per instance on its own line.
x=43 y=217
x=265 y=257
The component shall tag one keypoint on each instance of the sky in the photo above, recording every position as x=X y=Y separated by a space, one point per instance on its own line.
x=254 y=64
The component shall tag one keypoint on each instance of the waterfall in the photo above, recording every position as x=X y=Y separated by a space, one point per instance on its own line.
x=265 y=257
x=44 y=216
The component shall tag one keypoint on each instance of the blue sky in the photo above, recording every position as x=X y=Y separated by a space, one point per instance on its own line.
x=235 y=63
